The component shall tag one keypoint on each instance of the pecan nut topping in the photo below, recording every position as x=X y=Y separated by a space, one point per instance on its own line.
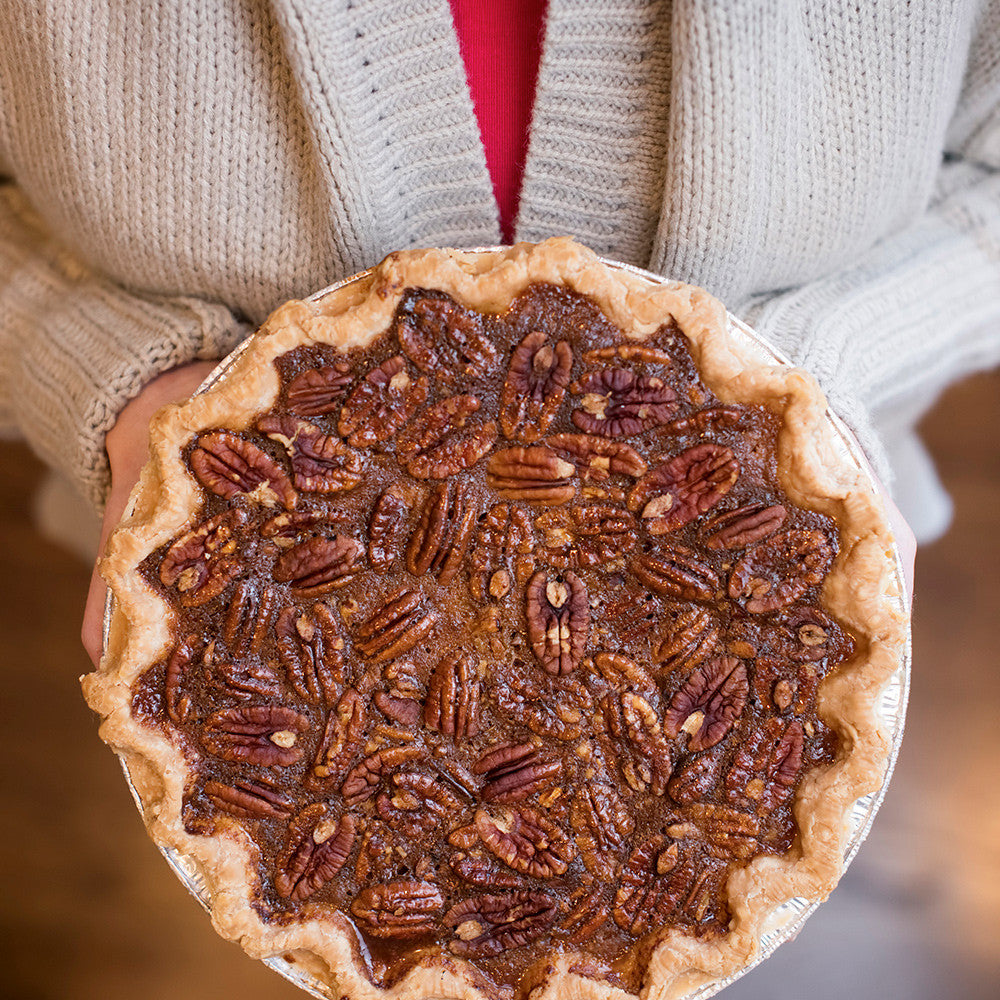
x=515 y=771
x=398 y=909
x=266 y=735
x=535 y=473
x=709 y=702
x=558 y=615
x=684 y=487
x=444 y=340
x=576 y=536
x=229 y=466
x=445 y=440
x=527 y=841
x=618 y=403
x=452 y=706
x=319 y=564
x=493 y=923
x=441 y=539
x=203 y=562
x=316 y=849
x=321 y=463
x=779 y=571
x=535 y=386
x=319 y=391
x=379 y=405
x=309 y=646
x=676 y=571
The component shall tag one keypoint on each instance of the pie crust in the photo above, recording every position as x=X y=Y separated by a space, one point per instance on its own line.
x=860 y=591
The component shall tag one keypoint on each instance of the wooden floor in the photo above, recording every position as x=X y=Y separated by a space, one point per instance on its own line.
x=88 y=909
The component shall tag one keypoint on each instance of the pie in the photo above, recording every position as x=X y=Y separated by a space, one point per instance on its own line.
x=499 y=623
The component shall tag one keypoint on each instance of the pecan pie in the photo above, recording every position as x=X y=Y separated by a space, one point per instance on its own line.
x=496 y=624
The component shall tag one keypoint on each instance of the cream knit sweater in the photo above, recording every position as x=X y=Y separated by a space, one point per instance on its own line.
x=175 y=170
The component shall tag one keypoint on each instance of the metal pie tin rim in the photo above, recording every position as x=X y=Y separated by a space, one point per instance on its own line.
x=787 y=919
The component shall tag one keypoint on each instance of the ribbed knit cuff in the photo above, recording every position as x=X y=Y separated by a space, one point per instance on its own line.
x=75 y=348
x=916 y=312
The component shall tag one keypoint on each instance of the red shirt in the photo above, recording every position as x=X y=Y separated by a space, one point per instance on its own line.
x=501 y=42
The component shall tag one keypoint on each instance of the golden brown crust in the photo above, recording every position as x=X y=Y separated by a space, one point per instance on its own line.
x=861 y=590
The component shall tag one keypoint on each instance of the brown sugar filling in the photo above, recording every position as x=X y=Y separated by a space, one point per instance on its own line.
x=498 y=636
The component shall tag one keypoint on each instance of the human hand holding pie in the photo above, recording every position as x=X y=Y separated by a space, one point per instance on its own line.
x=127 y=446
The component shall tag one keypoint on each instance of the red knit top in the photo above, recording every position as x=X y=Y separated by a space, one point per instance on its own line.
x=501 y=41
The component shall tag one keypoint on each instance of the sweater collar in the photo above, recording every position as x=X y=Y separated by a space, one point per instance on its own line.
x=384 y=89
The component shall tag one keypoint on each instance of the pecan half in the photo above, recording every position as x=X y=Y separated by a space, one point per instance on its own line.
x=363 y=780
x=342 y=737
x=395 y=627
x=205 y=560
x=309 y=646
x=624 y=674
x=266 y=735
x=398 y=909
x=618 y=403
x=513 y=771
x=444 y=339
x=709 y=702
x=445 y=441
x=249 y=800
x=603 y=825
x=230 y=466
x=534 y=473
x=676 y=571
x=415 y=803
x=503 y=545
x=387 y=528
x=589 y=912
x=316 y=849
x=576 y=536
x=806 y=635
x=647 y=765
x=767 y=766
x=549 y=706
x=688 y=635
x=779 y=571
x=704 y=421
x=596 y=458
x=441 y=538
x=558 y=616
x=452 y=705
x=696 y=777
x=727 y=834
x=318 y=391
x=321 y=463
x=319 y=564
x=480 y=870
x=242 y=678
x=657 y=883
x=177 y=701
x=736 y=529
x=381 y=403
x=290 y=525
x=489 y=924
x=248 y=618
x=535 y=386
x=684 y=487
x=526 y=840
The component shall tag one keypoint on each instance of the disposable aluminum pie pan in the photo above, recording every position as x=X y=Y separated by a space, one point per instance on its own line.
x=787 y=919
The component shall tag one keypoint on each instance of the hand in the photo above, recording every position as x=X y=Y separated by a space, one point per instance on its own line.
x=127 y=445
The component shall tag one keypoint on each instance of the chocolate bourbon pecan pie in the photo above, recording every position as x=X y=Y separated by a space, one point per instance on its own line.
x=498 y=624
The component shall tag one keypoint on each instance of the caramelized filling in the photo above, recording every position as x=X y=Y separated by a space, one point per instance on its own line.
x=499 y=637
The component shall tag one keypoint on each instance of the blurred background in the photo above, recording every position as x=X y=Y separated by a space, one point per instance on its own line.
x=88 y=908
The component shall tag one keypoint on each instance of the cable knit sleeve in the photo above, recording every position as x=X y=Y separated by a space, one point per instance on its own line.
x=74 y=347
x=921 y=308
